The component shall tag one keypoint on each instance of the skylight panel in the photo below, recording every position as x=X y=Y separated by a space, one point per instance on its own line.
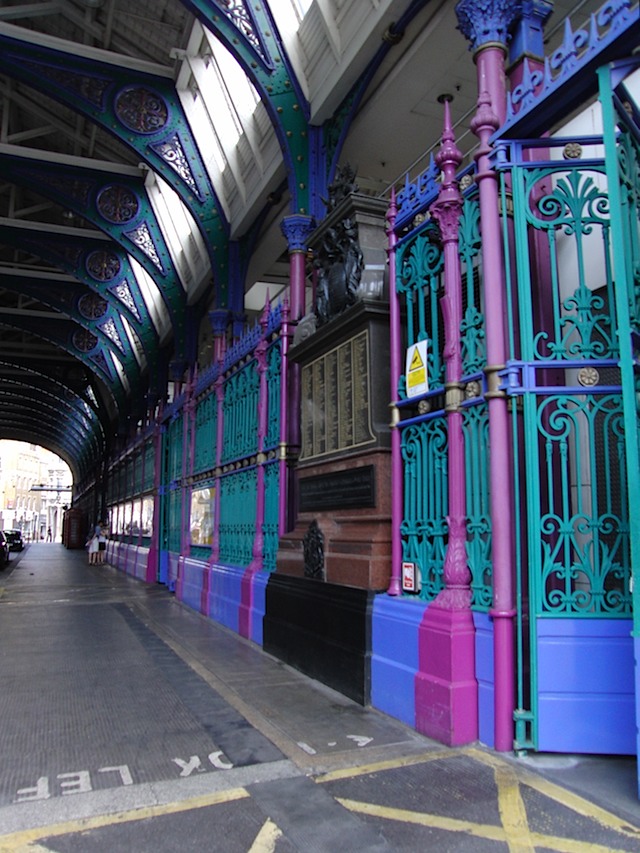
x=202 y=124
x=119 y=369
x=136 y=343
x=152 y=298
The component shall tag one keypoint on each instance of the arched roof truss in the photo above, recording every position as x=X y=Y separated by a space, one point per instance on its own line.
x=114 y=200
x=60 y=410
x=100 y=264
x=135 y=101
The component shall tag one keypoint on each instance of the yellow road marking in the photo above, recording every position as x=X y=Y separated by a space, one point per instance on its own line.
x=512 y=811
x=13 y=842
x=516 y=831
x=561 y=795
x=33 y=848
x=376 y=767
x=266 y=839
x=478 y=830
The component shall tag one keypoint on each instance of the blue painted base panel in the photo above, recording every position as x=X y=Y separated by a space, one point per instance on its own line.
x=394 y=655
x=225 y=596
x=192 y=583
x=485 y=677
x=172 y=574
x=586 y=686
x=130 y=559
x=163 y=568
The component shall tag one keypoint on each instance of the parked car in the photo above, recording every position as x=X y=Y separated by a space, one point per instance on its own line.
x=4 y=550
x=14 y=538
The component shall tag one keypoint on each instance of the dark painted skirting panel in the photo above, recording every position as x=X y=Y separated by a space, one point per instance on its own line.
x=322 y=629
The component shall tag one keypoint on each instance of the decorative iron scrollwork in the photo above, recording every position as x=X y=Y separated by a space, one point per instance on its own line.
x=313 y=549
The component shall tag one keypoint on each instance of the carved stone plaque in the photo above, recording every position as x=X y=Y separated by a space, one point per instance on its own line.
x=336 y=410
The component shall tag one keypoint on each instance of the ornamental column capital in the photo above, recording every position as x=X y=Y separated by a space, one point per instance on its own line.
x=177 y=368
x=297 y=228
x=219 y=319
x=487 y=22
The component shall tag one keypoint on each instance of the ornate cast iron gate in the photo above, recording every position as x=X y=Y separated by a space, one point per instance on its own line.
x=573 y=548
x=621 y=122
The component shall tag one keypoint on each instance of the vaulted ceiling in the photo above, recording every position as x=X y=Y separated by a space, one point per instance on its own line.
x=98 y=298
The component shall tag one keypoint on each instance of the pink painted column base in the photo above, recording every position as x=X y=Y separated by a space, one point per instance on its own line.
x=446 y=690
x=152 y=563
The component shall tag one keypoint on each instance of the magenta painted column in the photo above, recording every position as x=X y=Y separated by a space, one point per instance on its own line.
x=486 y=24
x=395 y=346
x=501 y=463
x=296 y=229
x=446 y=686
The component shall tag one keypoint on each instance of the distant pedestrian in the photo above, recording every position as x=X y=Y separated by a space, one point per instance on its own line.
x=49 y=536
x=102 y=545
x=92 y=546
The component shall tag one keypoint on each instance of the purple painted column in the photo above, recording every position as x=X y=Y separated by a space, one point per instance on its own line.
x=395 y=346
x=143 y=468
x=188 y=435
x=176 y=375
x=246 y=592
x=285 y=337
x=263 y=413
x=446 y=686
x=153 y=556
x=219 y=323
x=296 y=229
x=486 y=25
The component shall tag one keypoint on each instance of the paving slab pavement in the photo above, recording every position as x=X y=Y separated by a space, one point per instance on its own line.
x=129 y=722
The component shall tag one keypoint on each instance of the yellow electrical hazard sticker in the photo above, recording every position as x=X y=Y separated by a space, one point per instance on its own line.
x=416 y=361
x=416 y=369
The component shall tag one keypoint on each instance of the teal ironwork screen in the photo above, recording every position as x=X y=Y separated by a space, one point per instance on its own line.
x=423 y=426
